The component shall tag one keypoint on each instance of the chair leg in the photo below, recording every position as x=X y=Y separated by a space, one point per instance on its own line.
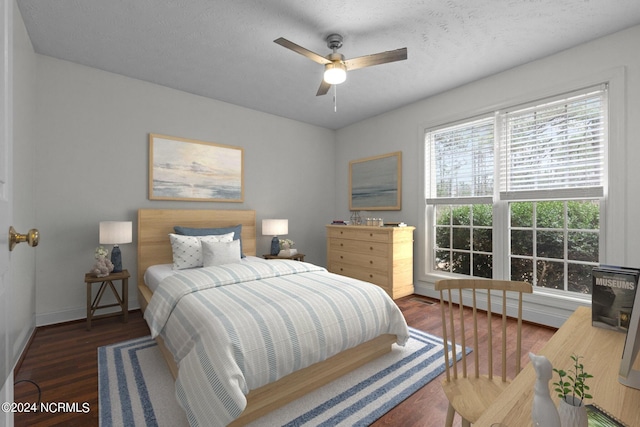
x=465 y=423
x=450 y=414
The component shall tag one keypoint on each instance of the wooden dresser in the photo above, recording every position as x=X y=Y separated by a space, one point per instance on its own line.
x=380 y=255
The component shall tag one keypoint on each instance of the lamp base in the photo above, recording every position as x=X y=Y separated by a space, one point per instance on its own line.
x=275 y=245
x=116 y=259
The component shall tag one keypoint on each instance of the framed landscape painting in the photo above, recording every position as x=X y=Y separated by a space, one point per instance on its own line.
x=375 y=183
x=187 y=169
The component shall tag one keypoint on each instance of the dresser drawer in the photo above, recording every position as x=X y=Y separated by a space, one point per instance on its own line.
x=358 y=246
x=368 y=275
x=371 y=234
x=379 y=255
x=378 y=263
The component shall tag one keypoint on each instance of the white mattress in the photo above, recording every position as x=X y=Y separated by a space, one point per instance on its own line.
x=156 y=273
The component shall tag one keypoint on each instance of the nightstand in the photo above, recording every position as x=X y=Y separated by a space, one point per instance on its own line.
x=297 y=257
x=107 y=282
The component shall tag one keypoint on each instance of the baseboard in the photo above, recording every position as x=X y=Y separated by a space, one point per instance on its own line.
x=46 y=319
x=6 y=395
x=60 y=316
x=24 y=351
x=535 y=308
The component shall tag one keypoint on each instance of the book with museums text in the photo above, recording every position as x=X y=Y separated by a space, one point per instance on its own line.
x=613 y=292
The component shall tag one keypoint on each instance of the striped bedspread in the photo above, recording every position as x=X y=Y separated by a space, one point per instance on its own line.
x=237 y=327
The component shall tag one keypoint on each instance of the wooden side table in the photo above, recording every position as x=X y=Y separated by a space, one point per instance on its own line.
x=297 y=257
x=107 y=282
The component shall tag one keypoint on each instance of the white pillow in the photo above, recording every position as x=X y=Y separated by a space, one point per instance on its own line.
x=218 y=253
x=187 y=250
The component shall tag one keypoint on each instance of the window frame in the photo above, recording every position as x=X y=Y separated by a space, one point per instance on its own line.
x=499 y=126
x=546 y=310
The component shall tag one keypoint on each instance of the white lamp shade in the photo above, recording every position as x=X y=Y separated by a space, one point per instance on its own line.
x=115 y=232
x=335 y=73
x=275 y=227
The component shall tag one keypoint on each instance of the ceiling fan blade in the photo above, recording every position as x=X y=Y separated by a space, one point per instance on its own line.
x=376 y=59
x=302 y=51
x=323 y=89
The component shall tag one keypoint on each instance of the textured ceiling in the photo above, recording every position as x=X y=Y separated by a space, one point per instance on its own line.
x=223 y=49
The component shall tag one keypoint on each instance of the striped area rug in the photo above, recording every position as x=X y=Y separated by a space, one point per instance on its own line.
x=136 y=388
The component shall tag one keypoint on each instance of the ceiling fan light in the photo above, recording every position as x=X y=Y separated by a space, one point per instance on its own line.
x=335 y=73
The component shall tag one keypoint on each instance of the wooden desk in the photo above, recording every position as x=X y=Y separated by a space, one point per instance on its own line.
x=602 y=351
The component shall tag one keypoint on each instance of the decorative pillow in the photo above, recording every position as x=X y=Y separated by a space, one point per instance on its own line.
x=189 y=231
x=187 y=250
x=218 y=253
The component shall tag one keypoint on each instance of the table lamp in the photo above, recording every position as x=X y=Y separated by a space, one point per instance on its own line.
x=115 y=233
x=275 y=228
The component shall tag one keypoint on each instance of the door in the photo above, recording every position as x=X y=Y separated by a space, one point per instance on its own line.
x=6 y=141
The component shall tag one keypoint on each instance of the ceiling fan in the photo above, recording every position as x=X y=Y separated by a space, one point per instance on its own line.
x=335 y=66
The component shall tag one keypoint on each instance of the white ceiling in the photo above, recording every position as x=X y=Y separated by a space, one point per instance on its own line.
x=223 y=49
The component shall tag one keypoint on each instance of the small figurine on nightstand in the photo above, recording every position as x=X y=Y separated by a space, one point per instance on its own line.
x=103 y=266
x=286 y=248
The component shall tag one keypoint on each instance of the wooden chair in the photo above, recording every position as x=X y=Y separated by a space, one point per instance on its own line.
x=469 y=394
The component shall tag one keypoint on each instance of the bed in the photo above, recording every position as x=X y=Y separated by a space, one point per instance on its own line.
x=154 y=249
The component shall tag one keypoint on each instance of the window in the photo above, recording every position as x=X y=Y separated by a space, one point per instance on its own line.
x=463 y=239
x=554 y=244
x=517 y=194
x=462 y=165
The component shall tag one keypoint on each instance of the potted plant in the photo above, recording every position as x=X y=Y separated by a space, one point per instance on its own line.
x=572 y=390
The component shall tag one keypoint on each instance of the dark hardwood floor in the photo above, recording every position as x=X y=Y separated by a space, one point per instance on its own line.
x=62 y=360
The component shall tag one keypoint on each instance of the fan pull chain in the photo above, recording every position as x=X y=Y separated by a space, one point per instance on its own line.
x=335 y=97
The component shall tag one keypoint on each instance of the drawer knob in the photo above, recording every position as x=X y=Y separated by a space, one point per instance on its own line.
x=341 y=269
x=341 y=257
x=370 y=234
x=370 y=248
x=370 y=261
x=371 y=276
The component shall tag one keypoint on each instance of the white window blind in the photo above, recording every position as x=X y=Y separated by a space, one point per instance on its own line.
x=461 y=162
x=555 y=149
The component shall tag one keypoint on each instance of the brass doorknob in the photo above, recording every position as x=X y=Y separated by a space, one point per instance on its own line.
x=32 y=237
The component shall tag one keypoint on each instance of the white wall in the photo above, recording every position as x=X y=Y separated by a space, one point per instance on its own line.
x=92 y=155
x=402 y=129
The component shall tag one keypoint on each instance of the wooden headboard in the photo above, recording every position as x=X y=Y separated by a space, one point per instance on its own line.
x=154 y=226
